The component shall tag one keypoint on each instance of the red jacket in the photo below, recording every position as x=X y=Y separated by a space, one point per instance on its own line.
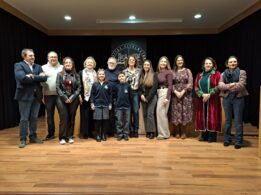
x=213 y=115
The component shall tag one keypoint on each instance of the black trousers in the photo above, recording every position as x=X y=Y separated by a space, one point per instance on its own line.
x=67 y=114
x=86 y=120
x=101 y=126
x=50 y=103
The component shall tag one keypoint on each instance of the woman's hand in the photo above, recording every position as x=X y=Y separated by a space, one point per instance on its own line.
x=143 y=98
x=80 y=99
x=92 y=106
x=206 y=97
x=165 y=101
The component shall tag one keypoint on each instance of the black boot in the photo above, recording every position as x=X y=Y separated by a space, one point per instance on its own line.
x=98 y=136
x=204 y=136
x=104 y=136
x=151 y=136
x=212 y=137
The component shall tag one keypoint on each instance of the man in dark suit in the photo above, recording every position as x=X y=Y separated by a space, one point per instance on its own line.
x=28 y=76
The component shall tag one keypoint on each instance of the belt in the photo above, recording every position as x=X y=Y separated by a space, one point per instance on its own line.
x=162 y=87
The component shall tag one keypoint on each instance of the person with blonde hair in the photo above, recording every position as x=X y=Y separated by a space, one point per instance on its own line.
x=88 y=76
x=101 y=103
x=165 y=77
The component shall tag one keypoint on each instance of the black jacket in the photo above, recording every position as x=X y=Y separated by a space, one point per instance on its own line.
x=123 y=96
x=101 y=94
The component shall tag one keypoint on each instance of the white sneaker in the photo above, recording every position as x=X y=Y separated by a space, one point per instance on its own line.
x=71 y=141
x=62 y=141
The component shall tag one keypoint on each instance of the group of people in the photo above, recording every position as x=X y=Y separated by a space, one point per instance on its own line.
x=112 y=97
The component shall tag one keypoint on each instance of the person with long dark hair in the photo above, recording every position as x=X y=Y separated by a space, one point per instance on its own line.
x=233 y=90
x=68 y=87
x=208 y=104
x=148 y=96
x=181 y=100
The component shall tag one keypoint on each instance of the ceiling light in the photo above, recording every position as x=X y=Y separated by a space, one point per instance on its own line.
x=151 y=20
x=132 y=17
x=197 y=16
x=68 y=18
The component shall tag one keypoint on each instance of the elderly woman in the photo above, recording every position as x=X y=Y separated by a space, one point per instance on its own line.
x=88 y=76
x=233 y=90
x=208 y=105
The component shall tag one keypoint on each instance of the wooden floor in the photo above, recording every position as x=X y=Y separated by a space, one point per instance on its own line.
x=139 y=166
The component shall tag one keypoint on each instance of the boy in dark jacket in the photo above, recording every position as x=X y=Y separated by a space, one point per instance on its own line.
x=122 y=107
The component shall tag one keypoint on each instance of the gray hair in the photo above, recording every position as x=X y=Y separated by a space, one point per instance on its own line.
x=24 y=52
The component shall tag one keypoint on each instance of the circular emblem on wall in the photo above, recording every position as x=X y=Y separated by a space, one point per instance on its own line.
x=122 y=52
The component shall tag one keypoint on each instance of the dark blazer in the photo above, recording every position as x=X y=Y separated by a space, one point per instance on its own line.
x=26 y=87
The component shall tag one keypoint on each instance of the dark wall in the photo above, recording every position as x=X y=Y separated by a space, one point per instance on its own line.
x=14 y=36
x=242 y=40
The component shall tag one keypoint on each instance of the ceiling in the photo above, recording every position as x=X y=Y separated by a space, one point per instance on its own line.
x=161 y=15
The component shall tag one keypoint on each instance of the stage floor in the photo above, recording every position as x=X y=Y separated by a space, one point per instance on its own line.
x=137 y=166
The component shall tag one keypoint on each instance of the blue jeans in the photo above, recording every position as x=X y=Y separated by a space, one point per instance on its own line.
x=29 y=114
x=134 y=126
x=235 y=105
x=50 y=103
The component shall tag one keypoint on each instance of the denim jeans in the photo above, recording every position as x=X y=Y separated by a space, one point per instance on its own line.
x=29 y=114
x=235 y=105
x=50 y=103
x=134 y=126
x=122 y=122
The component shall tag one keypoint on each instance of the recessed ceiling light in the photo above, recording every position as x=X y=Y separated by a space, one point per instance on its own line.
x=68 y=18
x=197 y=16
x=132 y=17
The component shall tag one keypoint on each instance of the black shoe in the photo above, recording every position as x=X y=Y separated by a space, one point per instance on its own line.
x=35 y=140
x=237 y=146
x=136 y=135
x=98 y=138
x=48 y=137
x=202 y=139
x=151 y=136
x=119 y=138
x=22 y=143
x=147 y=135
x=131 y=134
x=226 y=144
x=126 y=138
x=104 y=137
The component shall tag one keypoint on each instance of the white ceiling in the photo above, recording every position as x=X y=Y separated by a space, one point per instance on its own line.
x=85 y=13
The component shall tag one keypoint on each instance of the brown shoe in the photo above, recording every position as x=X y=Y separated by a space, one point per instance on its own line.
x=177 y=135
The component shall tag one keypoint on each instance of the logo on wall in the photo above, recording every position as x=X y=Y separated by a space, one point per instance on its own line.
x=123 y=50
